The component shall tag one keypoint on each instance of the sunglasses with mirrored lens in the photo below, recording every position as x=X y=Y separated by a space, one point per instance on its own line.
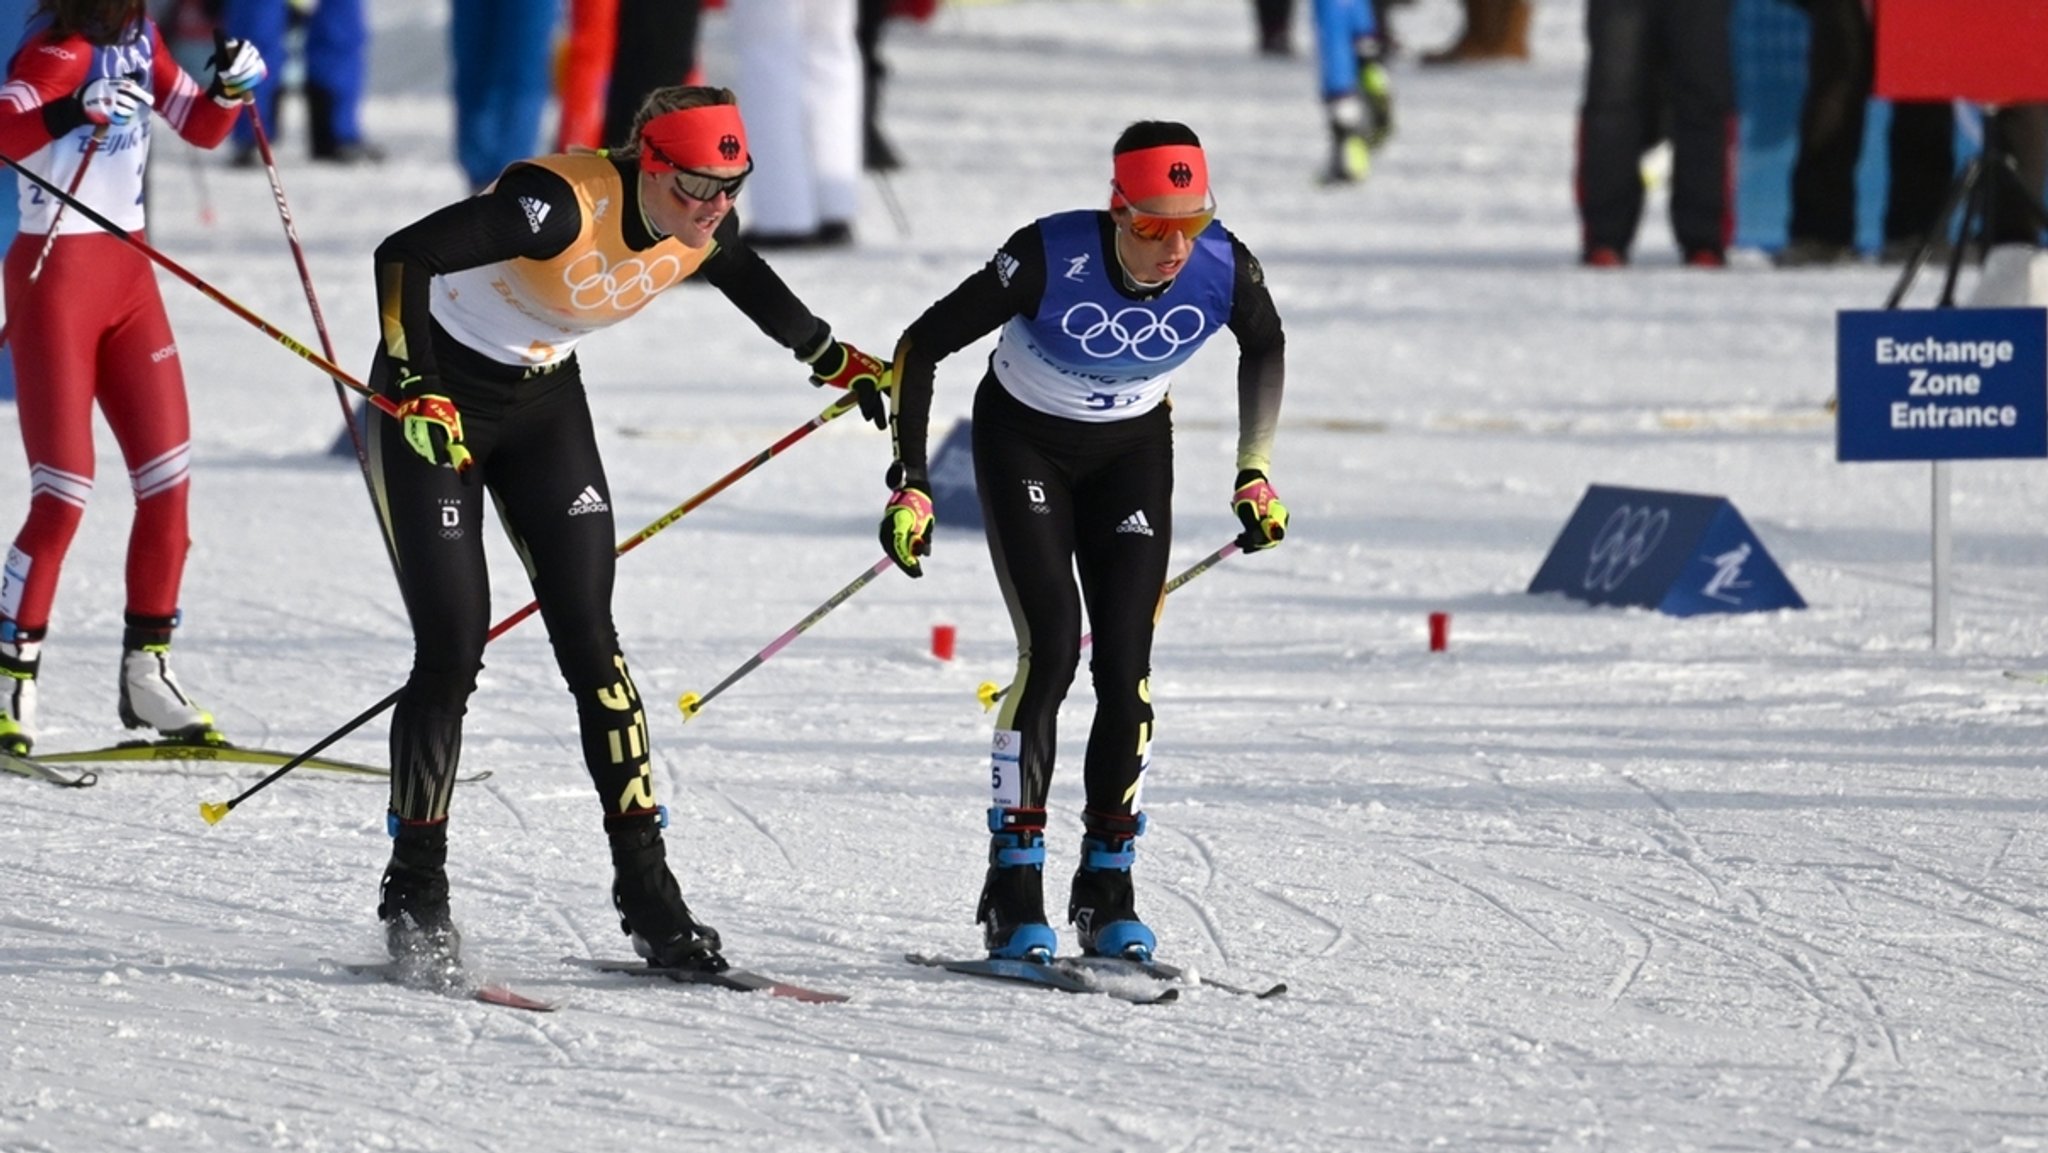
x=1156 y=226
x=703 y=186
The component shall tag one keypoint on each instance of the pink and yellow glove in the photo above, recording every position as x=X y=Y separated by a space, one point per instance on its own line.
x=907 y=526
x=1259 y=509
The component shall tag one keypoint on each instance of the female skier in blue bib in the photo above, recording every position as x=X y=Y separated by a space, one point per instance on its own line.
x=1073 y=458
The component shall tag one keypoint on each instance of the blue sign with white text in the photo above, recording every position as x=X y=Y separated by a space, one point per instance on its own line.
x=1679 y=553
x=1941 y=384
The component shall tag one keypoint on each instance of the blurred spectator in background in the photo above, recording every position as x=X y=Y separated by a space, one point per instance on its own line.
x=582 y=71
x=799 y=84
x=2020 y=132
x=1494 y=30
x=1358 y=98
x=1638 y=52
x=336 y=57
x=876 y=153
x=654 y=46
x=2015 y=269
x=1840 y=60
x=616 y=52
x=1276 y=25
x=501 y=50
x=187 y=27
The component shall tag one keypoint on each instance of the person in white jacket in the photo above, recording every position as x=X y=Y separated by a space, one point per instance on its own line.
x=799 y=83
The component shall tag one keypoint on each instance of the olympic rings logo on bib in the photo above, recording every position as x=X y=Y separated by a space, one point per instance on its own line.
x=623 y=287
x=1133 y=331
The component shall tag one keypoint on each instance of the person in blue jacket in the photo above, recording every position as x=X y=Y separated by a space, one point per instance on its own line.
x=1358 y=96
x=337 y=59
x=502 y=50
x=1073 y=460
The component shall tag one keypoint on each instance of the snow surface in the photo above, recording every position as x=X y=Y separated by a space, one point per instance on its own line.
x=1591 y=880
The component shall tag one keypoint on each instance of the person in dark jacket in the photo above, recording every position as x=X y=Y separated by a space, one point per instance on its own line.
x=1641 y=54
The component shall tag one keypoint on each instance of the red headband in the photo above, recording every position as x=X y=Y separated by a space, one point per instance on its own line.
x=1168 y=170
x=709 y=136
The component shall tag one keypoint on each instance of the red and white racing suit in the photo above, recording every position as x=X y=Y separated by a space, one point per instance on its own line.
x=92 y=326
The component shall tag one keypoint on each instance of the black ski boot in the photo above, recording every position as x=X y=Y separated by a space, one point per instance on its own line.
x=412 y=902
x=1104 y=908
x=1012 y=910
x=650 y=903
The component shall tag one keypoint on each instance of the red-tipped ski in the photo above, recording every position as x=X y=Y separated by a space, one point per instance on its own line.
x=457 y=985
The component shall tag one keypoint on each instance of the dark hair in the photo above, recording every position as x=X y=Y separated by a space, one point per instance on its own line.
x=99 y=21
x=1153 y=134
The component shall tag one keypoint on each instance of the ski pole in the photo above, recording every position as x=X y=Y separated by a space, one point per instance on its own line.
x=92 y=148
x=291 y=236
x=839 y=407
x=989 y=694
x=383 y=404
x=895 y=206
x=214 y=811
x=691 y=703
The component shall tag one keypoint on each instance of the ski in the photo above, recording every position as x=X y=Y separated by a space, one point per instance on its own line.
x=456 y=983
x=737 y=980
x=34 y=769
x=1160 y=971
x=172 y=749
x=1064 y=978
x=2029 y=677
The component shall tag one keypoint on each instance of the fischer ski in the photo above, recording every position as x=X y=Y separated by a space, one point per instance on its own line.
x=1160 y=971
x=1064 y=978
x=737 y=980
x=451 y=982
x=172 y=749
x=34 y=769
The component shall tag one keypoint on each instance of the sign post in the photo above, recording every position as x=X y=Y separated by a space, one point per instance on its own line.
x=1941 y=385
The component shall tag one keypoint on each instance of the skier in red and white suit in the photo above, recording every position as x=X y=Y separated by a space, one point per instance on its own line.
x=86 y=324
